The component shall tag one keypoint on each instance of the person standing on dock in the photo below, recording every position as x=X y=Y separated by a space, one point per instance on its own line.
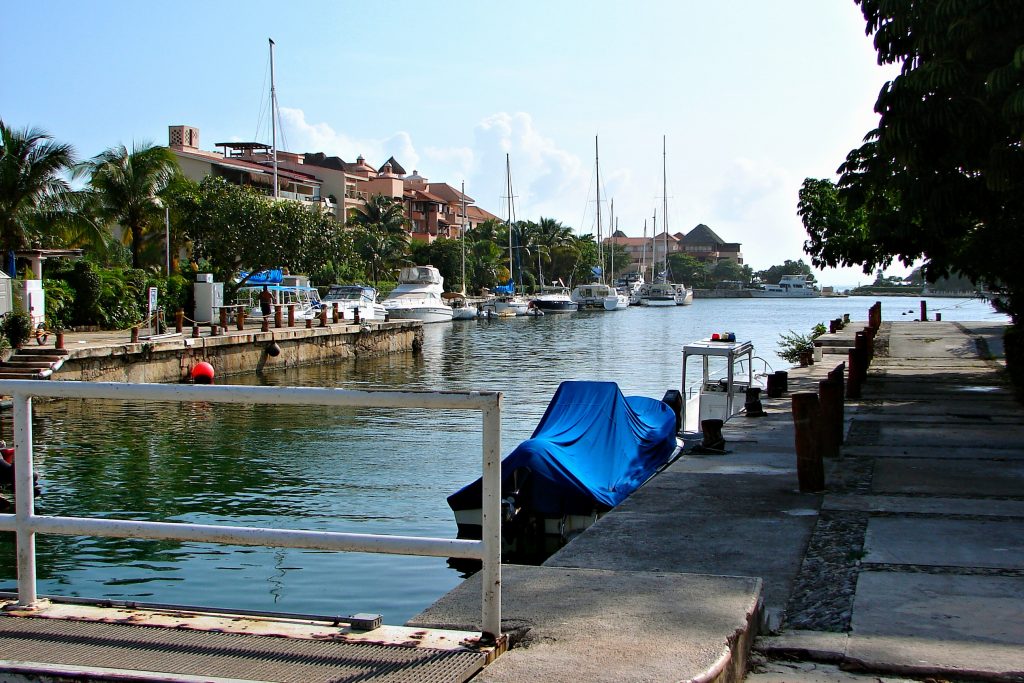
x=266 y=301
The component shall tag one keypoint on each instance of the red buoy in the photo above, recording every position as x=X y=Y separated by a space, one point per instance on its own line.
x=202 y=373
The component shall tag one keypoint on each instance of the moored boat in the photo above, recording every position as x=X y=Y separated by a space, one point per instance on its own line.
x=789 y=286
x=658 y=294
x=353 y=298
x=555 y=300
x=418 y=296
x=592 y=448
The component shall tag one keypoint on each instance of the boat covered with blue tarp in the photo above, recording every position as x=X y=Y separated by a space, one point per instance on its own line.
x=592 y=448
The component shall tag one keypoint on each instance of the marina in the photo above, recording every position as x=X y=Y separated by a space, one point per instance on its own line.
x=353 y=469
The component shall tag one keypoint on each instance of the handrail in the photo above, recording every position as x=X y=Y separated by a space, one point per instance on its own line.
x=26 y=524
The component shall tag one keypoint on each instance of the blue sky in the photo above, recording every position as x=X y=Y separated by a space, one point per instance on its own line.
x=752 y=96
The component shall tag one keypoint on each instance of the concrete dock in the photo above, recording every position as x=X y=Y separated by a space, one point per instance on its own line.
x=909 y=563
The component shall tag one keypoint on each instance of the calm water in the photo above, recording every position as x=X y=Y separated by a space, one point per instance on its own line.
x=368 y=471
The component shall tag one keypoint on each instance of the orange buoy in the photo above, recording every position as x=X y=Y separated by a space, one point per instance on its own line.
x=202 y=373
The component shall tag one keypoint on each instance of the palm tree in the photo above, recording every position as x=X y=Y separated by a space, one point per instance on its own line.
x=32 y=192
x=549 y=236
x=125 y=186
x=381 y=236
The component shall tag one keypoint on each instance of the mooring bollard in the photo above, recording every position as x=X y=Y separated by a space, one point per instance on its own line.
x=240 y=318
x=712 y=431
x=277 y=315
x=938 y=317
x=291 y=315
x=323 y=316
x=810 y=469
x=830 y=400
x=224 y=318
x=135 y=335
x=355 y=315
x=58 y=340
x=265 y=326
x=836 y=375
x=752 y=407
x=195 y=331
x=309 y=323
x=334 y=312
x=869 y=343
x=179 y=320
x=852 y=375
x=924 y=311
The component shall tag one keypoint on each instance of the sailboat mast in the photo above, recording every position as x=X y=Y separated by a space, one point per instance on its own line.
x=643 y=253
x=273 y=119
x=600 y=246
x=508 y=188
x=664 y=201
x=654 y=247
x=611 y=226
x=464 y=219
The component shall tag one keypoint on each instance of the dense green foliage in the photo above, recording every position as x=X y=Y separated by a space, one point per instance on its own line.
x=16 y=327
x=792 y=344
x=942 y=177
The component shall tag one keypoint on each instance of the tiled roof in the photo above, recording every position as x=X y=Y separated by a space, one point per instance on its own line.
x=448 y=193
x=702 y=234
x=250 y=166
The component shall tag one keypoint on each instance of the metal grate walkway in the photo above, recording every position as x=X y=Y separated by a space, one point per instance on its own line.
x=171 y=652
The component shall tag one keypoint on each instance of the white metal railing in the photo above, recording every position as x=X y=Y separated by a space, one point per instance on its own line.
x=26 y=524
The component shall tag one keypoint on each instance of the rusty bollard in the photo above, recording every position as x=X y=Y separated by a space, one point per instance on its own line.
x=277 y=315
x=830 y=401
x=265 y=327
x=852 y=375
x=836 y=375
x=240 y=318
x=135 y=335
x=924 y=311
x=179 y=320
x=224 y=318
x=355 y=315
x=334 y=312
x=58 y=342
x=195 y=331
x=860 y=347
x=309 y=323
x=810 y=469
x=323 y=316
x=869 y=347
x=291 y=315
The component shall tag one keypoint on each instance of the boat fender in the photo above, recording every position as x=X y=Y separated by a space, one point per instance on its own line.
x=202 y=373
x=7 y=454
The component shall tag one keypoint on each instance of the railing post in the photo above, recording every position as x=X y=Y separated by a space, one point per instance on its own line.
x=24 y=500
x=491 y=523
x=810 y=469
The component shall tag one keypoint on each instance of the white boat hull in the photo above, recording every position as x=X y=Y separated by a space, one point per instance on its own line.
x=658 y=302
x=425 y=314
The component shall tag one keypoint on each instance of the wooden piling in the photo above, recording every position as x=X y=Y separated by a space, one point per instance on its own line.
x=277 y=315
x=830 y=400
x=852 y=375
x=291 y=315
x=810 y=468
x=179 y=320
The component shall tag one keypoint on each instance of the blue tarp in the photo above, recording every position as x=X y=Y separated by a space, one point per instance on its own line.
x=509 y=288
x=592 y=448
x=274 y=276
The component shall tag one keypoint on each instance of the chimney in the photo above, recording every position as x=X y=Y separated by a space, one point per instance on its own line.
x=183 y=138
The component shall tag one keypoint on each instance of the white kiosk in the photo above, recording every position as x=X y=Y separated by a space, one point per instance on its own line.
x=720 y=395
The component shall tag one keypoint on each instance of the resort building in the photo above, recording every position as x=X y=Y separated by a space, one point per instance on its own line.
x=700 y=243
x=433 y=209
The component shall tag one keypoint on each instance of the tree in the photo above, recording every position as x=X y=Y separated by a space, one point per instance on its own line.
x=235 y=229
x=727 y=271
x=687 y=269
x=380 y=233
x=32 y=188
x=125 y=188
x=942 y=176
x=445 y=255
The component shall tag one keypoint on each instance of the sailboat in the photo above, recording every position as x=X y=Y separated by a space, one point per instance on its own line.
x=508 y=302
x=664 y=293
x=461 y=308
x=598 y=295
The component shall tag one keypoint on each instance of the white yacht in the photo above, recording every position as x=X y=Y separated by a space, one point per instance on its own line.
x=292 y=292
x=418 y=296
x=352 y=298
x=599 y=297
x=790 y=286
x=658 y=294
x=684 y=295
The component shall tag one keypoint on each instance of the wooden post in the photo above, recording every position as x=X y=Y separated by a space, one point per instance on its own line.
x=810 y=469
x=240 y=318
x=291 y=315
x=924 y=310
x=836 y=376
x=938 y=317
x=852 y=375
x=195 y=331
x=179 y=320
x=830 y=399
x=224 y=317
x=265 y=327
x=334 y=312
x=58 y=342
x=860 y=347
x=277 y=315
x=135 y=335
x=309 y=323
x=323 y=316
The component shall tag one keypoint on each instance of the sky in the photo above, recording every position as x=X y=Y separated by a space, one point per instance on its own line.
x=750 y=97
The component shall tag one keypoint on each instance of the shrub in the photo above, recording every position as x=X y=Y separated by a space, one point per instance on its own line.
x=60 y=302
x=792 y=345
x=16 y=326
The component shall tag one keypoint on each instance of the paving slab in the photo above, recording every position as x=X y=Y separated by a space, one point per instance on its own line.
x=972 y=626
x=968 y=478
x=924 y=505
x=944 y=542
x=739 y=524
x=931 y=452
x=605 y=625
x=955 y=435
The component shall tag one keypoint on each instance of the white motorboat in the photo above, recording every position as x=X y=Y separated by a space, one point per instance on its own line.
x=418 y=296
x=293 y=293
x=684 y=295
x=790 y=286
x=599 y=297
x=727 y=371
x=658 y=294
x=352 y=298
x=555 y=300
x=461 y=309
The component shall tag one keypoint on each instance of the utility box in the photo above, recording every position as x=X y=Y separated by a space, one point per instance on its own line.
x=204 y=277
x=33 y=301
x=209 y=297
x=6 y=294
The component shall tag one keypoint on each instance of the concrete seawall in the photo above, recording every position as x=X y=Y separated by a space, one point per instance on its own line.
x=107 y=357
